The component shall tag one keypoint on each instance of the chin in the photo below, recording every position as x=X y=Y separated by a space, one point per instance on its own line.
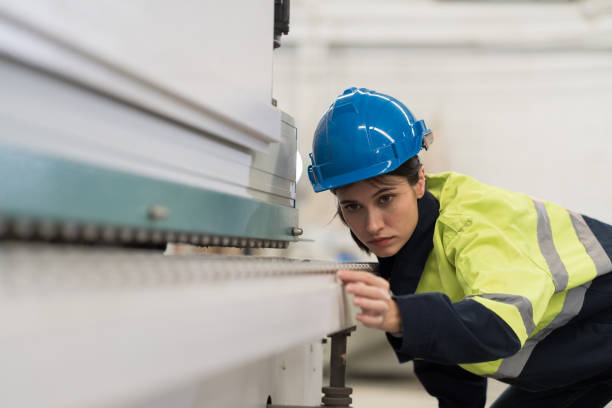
x=385 y=252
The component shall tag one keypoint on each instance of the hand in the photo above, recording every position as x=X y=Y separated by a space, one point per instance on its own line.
x=378 y=309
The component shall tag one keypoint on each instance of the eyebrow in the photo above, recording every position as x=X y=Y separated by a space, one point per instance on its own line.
x=383 y=190
x=379 y=192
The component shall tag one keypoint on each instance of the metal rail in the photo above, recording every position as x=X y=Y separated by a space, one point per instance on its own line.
x=53 y=267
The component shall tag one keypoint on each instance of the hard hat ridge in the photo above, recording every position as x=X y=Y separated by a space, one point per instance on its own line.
x=361 y=135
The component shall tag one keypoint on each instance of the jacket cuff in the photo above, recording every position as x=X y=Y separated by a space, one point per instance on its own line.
x=396 y=345
x=414 y=330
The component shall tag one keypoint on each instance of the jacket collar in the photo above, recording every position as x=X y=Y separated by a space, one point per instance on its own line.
x=404 y=269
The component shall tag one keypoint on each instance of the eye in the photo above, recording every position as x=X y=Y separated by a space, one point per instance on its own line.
x=385 y=199
x=351 y=207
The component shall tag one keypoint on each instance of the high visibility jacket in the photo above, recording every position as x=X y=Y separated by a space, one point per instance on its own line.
x=489 y=275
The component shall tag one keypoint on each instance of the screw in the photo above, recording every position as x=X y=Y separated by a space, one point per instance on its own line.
x=157 y=212
x=296 y=232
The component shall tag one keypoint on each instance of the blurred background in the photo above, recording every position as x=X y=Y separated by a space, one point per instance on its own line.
x=518 y=94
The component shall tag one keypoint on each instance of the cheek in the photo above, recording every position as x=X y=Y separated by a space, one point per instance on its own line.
x=354 y=222
x=406 y=219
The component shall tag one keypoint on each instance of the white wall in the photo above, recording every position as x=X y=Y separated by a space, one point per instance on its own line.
x=518 y=95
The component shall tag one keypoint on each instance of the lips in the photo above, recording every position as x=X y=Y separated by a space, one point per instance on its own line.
x=380 y=241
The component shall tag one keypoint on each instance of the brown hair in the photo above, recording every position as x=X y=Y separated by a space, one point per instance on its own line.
x=409 y=170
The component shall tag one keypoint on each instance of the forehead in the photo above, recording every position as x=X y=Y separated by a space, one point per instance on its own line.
x=370 y=186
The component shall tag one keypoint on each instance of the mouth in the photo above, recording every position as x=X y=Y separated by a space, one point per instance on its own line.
x=380 y=242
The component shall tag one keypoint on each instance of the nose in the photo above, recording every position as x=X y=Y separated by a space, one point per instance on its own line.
x=374 y=222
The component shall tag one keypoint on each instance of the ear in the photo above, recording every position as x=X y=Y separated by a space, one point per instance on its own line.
x=419 y=187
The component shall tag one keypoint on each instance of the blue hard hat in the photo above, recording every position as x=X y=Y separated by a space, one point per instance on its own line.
x=363 y=134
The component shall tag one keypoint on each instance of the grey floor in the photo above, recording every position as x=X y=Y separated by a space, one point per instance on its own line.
x=404 y=393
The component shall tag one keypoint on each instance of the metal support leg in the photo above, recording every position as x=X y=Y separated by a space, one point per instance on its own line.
x=337 y=395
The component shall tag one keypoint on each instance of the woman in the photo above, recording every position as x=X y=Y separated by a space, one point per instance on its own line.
x=484 y=282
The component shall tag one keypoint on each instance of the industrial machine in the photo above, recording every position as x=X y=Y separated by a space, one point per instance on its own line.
x=125 y=127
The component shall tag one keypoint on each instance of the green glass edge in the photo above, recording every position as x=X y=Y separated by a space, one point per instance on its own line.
x=39 y=186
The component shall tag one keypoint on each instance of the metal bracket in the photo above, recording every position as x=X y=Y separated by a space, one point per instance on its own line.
x=281 y=20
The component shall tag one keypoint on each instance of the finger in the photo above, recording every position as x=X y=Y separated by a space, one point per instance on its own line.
x=369 y=306
x=370 y=321
x=365 y=277
x=373 y=292
x=357 y=276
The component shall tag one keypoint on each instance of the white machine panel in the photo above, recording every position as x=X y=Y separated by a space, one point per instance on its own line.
x=187 y=60
x=106 y=327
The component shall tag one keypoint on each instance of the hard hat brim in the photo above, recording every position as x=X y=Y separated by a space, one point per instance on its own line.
x=352 y=177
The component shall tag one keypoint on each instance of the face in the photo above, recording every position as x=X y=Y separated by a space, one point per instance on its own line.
x=382 y=212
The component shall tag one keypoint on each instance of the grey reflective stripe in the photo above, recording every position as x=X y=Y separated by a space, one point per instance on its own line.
x=512 y=366
x=591 y=244
x=547 y=247
x=522 y=304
